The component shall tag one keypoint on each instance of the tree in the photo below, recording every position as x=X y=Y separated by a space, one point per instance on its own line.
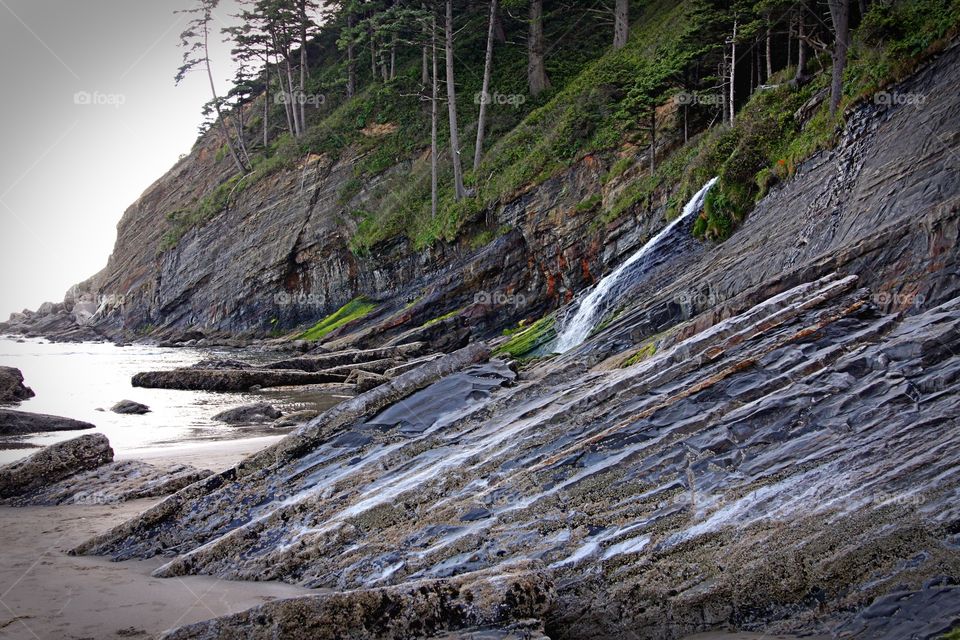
x=840 y=15
x=621 y=29
x=195 y=40
x=485 y=92
x=536 y=70
x=459 y=191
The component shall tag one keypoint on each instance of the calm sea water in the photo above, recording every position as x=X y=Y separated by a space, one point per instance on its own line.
x=83 y=381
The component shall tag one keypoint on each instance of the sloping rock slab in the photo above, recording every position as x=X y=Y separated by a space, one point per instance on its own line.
x=14 y=423
x=349 y=357
x=54 y=463
x=113 y=483
x=12 y=388
x=263 y=477
x=412 y=610
x=229 y=379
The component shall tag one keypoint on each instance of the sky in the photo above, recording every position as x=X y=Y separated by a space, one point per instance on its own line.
x=89 y=118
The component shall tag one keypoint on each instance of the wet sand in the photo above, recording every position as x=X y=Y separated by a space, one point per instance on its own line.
x=45 y=593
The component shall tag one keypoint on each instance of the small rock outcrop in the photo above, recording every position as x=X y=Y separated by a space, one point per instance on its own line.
x=366 y=380
x=55 y=463
x=249 y=414
x=129 y=407
x=111 y=483
x=15 y=423
x=459 y=607
x=229 y=379
x=12 y=389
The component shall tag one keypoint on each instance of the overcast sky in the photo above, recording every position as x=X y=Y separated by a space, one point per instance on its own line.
x=68 y=170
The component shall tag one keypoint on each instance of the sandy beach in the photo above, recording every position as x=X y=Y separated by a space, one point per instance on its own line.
x=45 y=593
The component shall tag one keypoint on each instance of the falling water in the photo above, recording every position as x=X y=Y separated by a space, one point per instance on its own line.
x=581 y=324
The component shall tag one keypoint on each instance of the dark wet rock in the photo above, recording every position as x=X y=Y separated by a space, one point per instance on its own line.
x=112 y=483
x=365 y=380
x=12 y=388
x=249 y=414
x=54 y=463
x=929 y=612
x=461 y=606
x=229 y=379
x=14 y=422
x=130 y=407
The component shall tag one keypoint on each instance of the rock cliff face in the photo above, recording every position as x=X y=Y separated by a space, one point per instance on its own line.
x=764 y=437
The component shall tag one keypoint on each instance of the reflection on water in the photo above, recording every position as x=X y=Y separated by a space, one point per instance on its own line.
x=83 y=381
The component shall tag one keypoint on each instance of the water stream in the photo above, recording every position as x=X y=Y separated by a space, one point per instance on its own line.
x=596 y=303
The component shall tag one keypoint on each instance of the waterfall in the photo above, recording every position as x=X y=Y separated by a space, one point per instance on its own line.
x=595 y=303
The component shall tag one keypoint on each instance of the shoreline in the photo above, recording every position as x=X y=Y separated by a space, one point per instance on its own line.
x=48 y=594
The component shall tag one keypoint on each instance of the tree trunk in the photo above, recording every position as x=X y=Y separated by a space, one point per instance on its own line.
x=801 y=76
x=216 y=105
x=485 y=92
x=621 y=29
x=498 y=32
x=373 y=57
x=351 y=61
x=304 y=71
x=266 y=101
x=425 y=68
x=769 y=50
x=840 y=14
x=434 y=99
x=460 y=192
x=293 y=97
x=536 y=71
x=733 y=72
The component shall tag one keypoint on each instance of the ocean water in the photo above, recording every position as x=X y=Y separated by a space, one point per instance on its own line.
x=82 y=381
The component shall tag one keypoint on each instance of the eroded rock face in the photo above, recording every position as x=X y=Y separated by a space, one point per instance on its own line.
x=13 y=423
x=112 y=482
x=54 y=463
x=12 y=389
x=446 y=608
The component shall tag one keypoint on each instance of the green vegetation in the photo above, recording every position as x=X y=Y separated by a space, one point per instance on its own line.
x=952 y=635
x=600 y=105
x=353 y=310
x=446 y=316
x=648 y=350
x=525 y=340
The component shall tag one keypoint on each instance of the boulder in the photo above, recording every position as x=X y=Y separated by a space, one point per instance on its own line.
x=249 y=414
x=13 y=423
x=12 y=388
x=130 y=407
x=55 y=463
x=366 y=380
